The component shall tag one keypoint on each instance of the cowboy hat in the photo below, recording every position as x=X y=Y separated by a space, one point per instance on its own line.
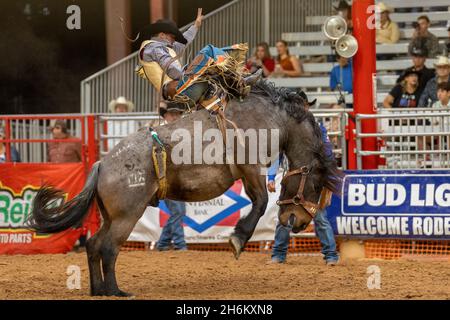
x=305 y=97
x=342 y=6
x=165 y=26
x=121 y=101
x=410 y=72
x=442 y=61
x=383 y=7
x=418 y=51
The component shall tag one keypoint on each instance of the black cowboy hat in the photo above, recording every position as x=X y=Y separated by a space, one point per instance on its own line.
x=410 y=72
x=305 y=97
x=165 y=26
x=342 y=6
x=417 y=51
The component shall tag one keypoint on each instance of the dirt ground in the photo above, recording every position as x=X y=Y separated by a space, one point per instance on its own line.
x=217 y=275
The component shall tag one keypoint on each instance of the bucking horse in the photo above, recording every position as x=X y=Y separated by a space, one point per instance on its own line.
x=130 y=177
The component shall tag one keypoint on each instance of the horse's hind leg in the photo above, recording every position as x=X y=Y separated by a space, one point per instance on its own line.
x=93 y=253
x=93 y=246
x=114 y=238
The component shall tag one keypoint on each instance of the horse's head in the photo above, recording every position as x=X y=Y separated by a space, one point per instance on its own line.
x=301 y=190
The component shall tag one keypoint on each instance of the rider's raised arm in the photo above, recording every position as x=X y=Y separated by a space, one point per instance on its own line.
x=189 y=35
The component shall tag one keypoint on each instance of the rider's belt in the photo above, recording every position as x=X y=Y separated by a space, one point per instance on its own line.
x=152 y=71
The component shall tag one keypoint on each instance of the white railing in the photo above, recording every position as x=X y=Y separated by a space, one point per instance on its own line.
x=250 y=21
x=407 y=138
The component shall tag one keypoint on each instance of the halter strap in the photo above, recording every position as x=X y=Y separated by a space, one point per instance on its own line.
x=299 y=199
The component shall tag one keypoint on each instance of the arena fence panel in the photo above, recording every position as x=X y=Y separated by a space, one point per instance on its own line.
x=408 y=138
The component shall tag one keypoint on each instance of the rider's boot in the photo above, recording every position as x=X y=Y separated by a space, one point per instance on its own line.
x=249 y=81
x=253 y=78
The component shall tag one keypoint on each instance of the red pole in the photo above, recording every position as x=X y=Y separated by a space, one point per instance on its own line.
x=92 y=145
x=364 y=63
x=8 y=137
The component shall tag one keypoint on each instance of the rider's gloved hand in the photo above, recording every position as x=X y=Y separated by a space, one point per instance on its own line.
x=198 y=21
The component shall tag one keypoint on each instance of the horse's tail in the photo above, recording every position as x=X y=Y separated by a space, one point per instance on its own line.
x=48 y=216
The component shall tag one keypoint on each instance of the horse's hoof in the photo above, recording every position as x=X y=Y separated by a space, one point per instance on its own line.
x=124 y=294
x=235 y=246
x=118 y=293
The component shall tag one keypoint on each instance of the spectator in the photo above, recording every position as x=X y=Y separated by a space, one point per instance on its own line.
x=404 y=94
x=15 y=157
x=419 y=55
x=447 y=43
x=287 y=65
x=389 y=31
x=345 y=11
x=443 y=95
x=429 y=94
x=119 y=129
x=62 y=152
x=423 y=37
x=341 y=76
x=173 y=229
x=261 y=60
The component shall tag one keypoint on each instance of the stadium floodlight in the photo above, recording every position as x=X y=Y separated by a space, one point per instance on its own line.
x=347 y=46
x=335 y=27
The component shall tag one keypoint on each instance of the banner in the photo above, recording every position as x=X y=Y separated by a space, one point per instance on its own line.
x=19 y=183
x=393 y=204
x=211 y=221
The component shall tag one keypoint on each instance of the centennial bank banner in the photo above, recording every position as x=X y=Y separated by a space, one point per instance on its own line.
x=212 y=221
x=19 y=184
x=393 y=204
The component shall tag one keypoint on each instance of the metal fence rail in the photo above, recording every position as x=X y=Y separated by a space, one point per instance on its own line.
x=31 y=134
x=408 y=138
x=249 y=21
x=114 y=127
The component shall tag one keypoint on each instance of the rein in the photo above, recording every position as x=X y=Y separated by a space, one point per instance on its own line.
x=299 y=199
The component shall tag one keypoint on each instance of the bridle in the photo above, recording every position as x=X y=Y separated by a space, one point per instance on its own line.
x=299 y=198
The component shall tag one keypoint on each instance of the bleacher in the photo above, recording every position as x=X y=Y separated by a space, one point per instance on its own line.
x=309 y=44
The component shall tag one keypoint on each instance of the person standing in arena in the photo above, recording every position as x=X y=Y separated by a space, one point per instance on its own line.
x=321 y=224
x=173 y=229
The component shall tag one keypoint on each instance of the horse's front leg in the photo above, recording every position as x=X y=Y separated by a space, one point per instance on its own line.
x=255 y=187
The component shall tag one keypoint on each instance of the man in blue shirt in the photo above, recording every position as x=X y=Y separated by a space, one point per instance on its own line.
x=321 y=224
x=342 y=74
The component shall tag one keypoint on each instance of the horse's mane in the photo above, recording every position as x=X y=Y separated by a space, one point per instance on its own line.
x=290 y=101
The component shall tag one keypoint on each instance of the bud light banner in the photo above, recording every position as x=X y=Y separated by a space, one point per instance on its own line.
x=393 y=204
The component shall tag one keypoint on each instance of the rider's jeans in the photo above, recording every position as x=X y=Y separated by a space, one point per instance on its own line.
x=323 y=230
x=173 y=230
x=195 y=91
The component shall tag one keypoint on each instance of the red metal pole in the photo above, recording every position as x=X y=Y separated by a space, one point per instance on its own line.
x=8 y=137
x=92 y=144
x=364 y=63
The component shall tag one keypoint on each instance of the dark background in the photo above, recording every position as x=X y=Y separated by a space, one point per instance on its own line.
x=42 y=62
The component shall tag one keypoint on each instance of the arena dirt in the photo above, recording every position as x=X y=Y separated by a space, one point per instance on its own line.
x=217 y=275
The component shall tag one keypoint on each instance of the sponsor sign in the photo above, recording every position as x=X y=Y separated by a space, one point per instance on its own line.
x=393 y=204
